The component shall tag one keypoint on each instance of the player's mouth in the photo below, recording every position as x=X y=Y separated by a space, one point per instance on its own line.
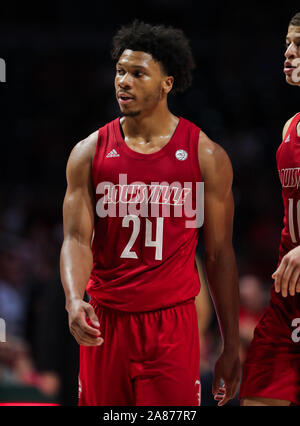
x=288 y=68
x=125 y=98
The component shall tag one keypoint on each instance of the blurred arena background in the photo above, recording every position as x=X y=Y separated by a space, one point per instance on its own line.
x=59 y=89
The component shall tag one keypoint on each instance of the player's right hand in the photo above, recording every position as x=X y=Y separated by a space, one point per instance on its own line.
x=287 y=275
x=86 y=335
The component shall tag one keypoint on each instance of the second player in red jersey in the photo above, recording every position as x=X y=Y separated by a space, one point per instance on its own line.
x=271 y=374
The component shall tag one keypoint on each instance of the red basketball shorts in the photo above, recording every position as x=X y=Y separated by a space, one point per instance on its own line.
x=147 y=358
x=272 y=367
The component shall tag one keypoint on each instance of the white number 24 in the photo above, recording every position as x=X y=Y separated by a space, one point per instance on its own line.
x=157 y=243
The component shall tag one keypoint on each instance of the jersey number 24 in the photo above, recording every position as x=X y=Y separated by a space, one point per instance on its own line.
x=128 y=253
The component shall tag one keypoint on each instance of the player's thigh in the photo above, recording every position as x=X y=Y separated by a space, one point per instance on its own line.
x=166 y=390
x=271 y=374
x=264 y=402
x=104 y=375
x=102 y=379
x=172 y=377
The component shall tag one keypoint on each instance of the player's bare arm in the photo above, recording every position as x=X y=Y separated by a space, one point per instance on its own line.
x=76 y=255
x=202 y=301
x=287 y=275
x=220 y=262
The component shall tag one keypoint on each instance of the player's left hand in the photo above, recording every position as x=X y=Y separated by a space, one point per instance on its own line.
x=228 y=369
x=287 y=275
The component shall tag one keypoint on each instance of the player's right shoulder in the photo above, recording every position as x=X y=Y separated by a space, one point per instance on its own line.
x=79 y=166
x=85 y=149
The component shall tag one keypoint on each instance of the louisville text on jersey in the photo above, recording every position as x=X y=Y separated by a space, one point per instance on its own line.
x=151 y=200
x=290 y=178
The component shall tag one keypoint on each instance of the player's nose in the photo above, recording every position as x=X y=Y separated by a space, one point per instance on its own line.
x=291 y=51
x=125 y=81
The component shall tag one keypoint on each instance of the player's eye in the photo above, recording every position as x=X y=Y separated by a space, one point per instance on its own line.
x=119 y=71
x=137 y=73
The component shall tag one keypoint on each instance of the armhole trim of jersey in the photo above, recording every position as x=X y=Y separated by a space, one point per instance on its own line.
x=196 y=163
x=292 y=129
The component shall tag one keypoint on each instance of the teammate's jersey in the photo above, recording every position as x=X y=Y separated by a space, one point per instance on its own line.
x=288 y=165
x=145 y=232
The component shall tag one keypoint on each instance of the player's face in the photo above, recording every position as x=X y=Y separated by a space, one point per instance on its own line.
x=292 y=55
x=139 y=82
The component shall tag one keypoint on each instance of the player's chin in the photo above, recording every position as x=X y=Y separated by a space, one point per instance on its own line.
x=130 y=113
x=290 y=80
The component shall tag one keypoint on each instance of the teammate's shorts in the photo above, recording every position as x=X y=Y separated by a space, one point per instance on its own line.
x=147 y=358
x=272 y=367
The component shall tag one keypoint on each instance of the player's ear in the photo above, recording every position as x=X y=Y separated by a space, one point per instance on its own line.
x=167 y=84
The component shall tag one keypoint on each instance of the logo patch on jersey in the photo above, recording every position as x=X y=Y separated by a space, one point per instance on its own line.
x=181 y=154
x=287 y=139
x=112 y=153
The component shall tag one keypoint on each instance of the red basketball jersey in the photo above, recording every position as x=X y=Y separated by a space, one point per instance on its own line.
x=145 y=232
x=288 y=164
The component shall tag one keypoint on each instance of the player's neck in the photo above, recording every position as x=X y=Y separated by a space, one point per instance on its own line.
x=147 y=127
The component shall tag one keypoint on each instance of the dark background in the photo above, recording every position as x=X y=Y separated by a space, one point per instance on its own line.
x=60 y=89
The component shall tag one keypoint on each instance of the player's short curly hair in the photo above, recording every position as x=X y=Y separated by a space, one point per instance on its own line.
x=295 y=20
x=167 y=45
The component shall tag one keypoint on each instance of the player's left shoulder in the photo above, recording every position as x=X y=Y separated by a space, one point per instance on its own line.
x=287 y=125
x=213 y=158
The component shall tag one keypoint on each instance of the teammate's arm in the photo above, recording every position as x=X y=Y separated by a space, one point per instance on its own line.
x=287 y=275
x=220 y=262
x=76 y=255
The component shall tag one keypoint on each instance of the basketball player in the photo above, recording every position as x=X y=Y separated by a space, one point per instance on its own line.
x=271 y=374
x=138 y=335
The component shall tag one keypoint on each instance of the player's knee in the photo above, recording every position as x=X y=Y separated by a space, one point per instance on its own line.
x=251 y=402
